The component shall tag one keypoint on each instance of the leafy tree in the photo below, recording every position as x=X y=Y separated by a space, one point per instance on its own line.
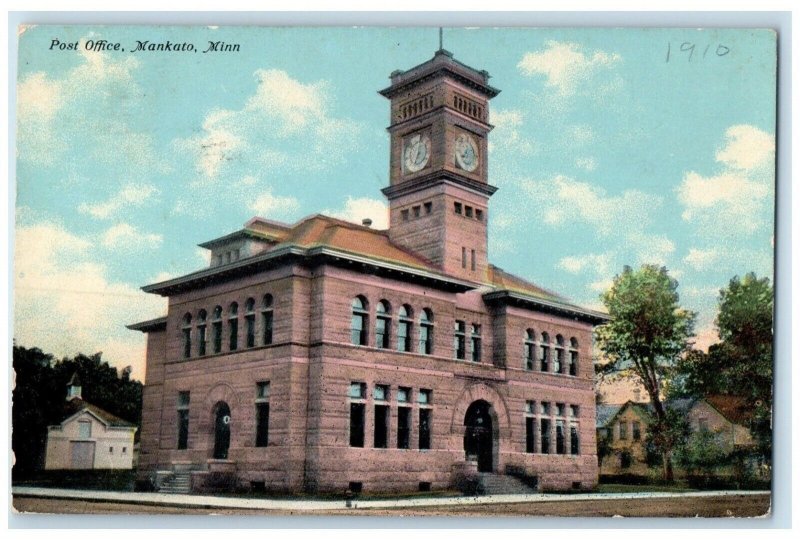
x=741 y=363
x=704 y=453
x=646 y=336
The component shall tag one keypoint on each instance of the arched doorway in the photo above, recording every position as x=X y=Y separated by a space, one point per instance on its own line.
x=222 y=430
x=479 y=435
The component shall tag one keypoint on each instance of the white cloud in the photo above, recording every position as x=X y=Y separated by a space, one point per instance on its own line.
x=651 y=248
x=586 y=163
x=267 y=203
x=127 y=237
x=130 y=195
x=702 y=259
x=65 y=303
x=563 y=199
x=734 y=201
x=599 y=263
x=566 y=65
x=747 y=147
x=82 y=109
x=507 y=128
x=284 y=124
x=355 y=210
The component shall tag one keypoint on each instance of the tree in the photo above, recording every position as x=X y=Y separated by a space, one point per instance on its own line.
x=647 y=335
x=741 y=363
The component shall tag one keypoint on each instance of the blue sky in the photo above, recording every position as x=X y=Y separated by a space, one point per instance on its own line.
x=605 y=154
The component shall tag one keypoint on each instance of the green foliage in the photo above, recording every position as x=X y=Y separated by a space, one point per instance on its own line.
x=704 y=453
x=40 y=394
x=741 y=363
x=647 y=335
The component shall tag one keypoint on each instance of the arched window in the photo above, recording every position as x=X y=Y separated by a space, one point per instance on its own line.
x=216 y=330
x=426 y=332
x=233 y=326
x=530 y=349
x=404 y=326
x=558 y=363
x=186 y=332
x=201 y=332
x=267 y=319
x=544 y=353
x=383 y=324
x=359 y=321
x=250 y=323
x=573 y=356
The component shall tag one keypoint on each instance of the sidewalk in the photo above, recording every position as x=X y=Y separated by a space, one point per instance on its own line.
x=207 y=501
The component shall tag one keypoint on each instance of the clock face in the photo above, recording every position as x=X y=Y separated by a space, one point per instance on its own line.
x=466 y=152
x=416 y=152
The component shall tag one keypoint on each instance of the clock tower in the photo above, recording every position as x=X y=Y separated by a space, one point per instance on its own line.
x=438 y=171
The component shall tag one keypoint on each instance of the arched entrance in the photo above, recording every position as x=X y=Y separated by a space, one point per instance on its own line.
x=479 y=435
x=222 y=430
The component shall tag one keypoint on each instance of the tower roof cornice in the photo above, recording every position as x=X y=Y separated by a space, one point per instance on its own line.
x=442 y=64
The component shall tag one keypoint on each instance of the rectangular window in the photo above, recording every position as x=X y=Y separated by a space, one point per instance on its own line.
x=201 y=340
x=529 y=352
x=404 y=336
x=403 y=427
x=475 y=342
x=545 y=435
x=574 y=411
x=425 y=338
x=574 y=441
x=124 y=449
x=415 y=211
x=404 y=214
x=479 y=214
x=530 y=407
x=637 y=431
x=187 y=342
x=183 y=420
x=381 y=439
x=561 y=447
x=250 y=329
x=424 y=397
x=463 y=257
x=457 y=208
x=110 y=449
x=468 y=211
x=560 y=409
x=472 y=260
x=459 y=339
x=216 y=330
x=544 y=408
x=266 y=321
x=262 y=424
x=358 y=330
x=233 y=328
x=358 y=390
x=530 y=442
x=380 y=392
x=84 y=430
x=262 y=390
x=544 y=358
x=424 y=429
x=702 y=424
x=403 y=394
x=428 y=208
x=357 y=425
x=623 y=431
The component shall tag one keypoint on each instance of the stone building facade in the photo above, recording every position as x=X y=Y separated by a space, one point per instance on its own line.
x=325 y=356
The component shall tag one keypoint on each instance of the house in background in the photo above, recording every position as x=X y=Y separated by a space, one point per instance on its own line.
x=88 y=437
x=621 y=430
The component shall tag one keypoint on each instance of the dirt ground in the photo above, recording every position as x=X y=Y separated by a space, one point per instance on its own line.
x=723 y=506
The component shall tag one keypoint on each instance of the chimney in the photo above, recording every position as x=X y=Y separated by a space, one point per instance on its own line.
x=366 y=222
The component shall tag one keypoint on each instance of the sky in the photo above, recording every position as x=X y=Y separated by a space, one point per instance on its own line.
x=611 y=147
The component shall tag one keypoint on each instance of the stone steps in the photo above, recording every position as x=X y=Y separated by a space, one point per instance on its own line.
x=501 y=484
x=179 y=482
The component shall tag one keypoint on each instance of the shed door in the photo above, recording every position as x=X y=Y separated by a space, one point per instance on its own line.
x=82 y=454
